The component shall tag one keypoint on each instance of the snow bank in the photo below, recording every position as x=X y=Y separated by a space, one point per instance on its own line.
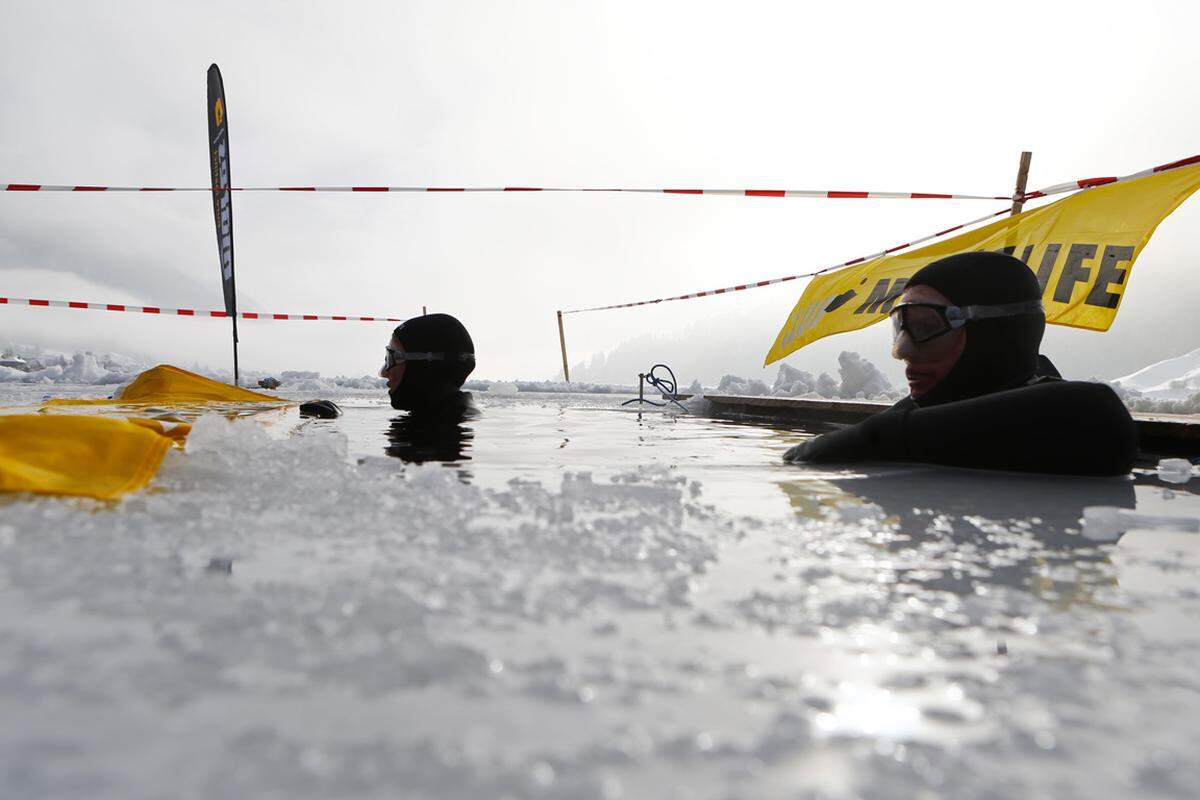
x=363 y=382
x=732 y=384
x=307 y=381
x=501 y=387
x=1172 y=378
x=1171 y=386
x=562 y=386
x=1136 y=401
x=86 y=368
x=548 y=387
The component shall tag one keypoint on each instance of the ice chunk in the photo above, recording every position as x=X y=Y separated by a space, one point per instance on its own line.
x=791 y=382
x=1175 y=470
x=697 y=404
x=827 y=385
x=1107 y=523
x=502 y=388
x=861 y=377
x=731 y=384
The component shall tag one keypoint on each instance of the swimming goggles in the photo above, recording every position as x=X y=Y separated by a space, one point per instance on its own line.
x=927 y=321
x=394 y=357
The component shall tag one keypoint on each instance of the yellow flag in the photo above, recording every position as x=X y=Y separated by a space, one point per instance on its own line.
x=1082 y=249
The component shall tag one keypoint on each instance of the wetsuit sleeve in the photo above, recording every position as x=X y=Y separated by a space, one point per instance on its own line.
x=1069 y=427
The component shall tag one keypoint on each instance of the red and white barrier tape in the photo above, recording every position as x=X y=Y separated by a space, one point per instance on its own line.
x=183 y=312
x=1083 y=183
x=1058 y=188
x=1089 y=183
x=759 y=284
x=827 y=194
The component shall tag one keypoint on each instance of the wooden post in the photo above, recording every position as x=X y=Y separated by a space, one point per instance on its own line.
x=423 y=311
x=1022 y=179
x=562 y=343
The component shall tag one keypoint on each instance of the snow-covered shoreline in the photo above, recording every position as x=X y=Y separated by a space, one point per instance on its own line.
x=1171 y=386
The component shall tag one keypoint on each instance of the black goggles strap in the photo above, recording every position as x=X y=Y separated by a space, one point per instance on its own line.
x=957 y=316
x=1002 y=310
x=395 y=357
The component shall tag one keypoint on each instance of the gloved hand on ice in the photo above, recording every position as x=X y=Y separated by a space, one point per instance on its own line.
x=877 y=438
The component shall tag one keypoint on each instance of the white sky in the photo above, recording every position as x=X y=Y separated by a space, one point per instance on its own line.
x=927 y=97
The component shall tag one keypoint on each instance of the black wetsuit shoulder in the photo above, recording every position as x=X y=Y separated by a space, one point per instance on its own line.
x=1050 y=425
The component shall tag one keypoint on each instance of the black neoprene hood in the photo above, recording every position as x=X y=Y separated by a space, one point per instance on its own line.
x=426 y=384
x=1000 y=353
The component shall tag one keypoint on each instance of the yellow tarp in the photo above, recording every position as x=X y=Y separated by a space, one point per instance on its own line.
x=165 y=385
x=82 y=452
x=1082 y=249
x=92 y=456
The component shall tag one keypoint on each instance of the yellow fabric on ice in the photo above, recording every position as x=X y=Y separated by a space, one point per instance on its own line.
x=92 y=456
x=1082 y=249
x=165 y=385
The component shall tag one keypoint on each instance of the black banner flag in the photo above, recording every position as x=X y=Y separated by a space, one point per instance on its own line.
x=218 y=148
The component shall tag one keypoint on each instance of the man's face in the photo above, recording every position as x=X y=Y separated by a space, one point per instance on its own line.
x=927 y=364
x=395 y=373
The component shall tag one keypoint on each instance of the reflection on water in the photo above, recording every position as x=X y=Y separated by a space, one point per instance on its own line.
x=890 y=629
x=445 y=435
x=992 y=529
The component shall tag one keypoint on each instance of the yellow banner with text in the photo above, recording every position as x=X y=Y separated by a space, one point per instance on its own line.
x=1082 y=249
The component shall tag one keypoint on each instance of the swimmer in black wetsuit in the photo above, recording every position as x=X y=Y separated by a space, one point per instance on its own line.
x=968 y=328
x=426 y=363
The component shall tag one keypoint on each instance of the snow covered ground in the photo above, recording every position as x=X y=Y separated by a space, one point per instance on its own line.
x=589 y=602
x=1174 y=378
x=1171 y=386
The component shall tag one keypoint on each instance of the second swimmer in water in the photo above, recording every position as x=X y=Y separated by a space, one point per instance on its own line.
x=426 y=363
x=968 y=328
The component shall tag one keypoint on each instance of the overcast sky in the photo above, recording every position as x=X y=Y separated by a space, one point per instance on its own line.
x=887 y=96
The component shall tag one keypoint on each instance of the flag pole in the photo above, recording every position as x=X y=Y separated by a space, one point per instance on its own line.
x=235 y=353
x=562 y=343
x=1022 y=180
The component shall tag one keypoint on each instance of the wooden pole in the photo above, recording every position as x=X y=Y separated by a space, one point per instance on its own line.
x=1022 y=179
x=423 y=311
x=562 y=343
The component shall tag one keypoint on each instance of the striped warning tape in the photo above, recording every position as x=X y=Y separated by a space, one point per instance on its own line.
x=759 y=284
x=183 y=312
x=822 y=193
x=1089 y=183
x=1060 y=188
